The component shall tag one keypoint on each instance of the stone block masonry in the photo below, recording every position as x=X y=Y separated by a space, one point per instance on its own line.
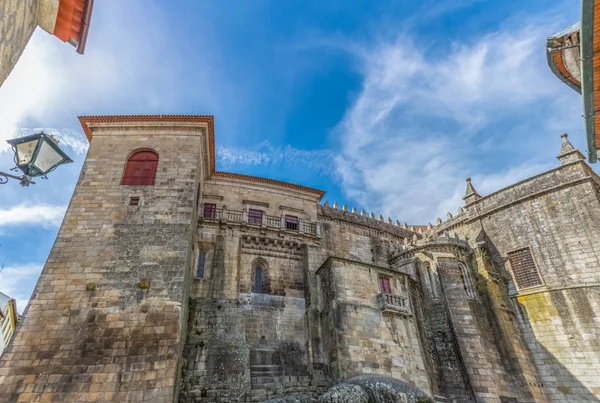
x=18 y=19
x=170 y=292
x=107 y=318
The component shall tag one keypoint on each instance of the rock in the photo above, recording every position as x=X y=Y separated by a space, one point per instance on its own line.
x=374 y=389
x=293 y=398
x=345 y=393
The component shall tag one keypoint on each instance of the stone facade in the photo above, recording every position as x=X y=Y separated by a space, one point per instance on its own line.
x=18 y=20
x=217 y=287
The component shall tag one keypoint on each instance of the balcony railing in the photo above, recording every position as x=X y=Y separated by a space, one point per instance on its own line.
x=219 y=213
x=394 y=303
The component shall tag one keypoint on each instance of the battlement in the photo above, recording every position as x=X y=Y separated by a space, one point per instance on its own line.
x=353 y=217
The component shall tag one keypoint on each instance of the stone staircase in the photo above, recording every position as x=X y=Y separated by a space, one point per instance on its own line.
x=265 y=375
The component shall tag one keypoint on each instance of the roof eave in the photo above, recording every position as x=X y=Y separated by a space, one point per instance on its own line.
x=555 y=70
x=85 y=26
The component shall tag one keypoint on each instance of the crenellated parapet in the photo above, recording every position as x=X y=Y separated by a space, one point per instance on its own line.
x=326 y=212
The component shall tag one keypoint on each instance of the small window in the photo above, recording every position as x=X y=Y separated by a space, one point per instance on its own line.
x=291 y=222
x=200 y=269
x=385 y=285
x=209 y=210
x=255 y=216
x=134 y=201
x=523 y=267
x=141 y=169
x=258 y=279
x=468 y=282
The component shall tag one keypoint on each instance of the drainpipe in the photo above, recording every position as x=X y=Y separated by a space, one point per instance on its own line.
x=587 y=79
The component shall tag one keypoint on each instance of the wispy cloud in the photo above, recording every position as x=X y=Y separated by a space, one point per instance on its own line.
x=408 y=140
x=75 y=139
x=27 y=214
x=266 y=154
x=18 y=281
x=51 y=84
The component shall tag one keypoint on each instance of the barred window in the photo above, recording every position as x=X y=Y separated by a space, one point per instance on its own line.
x=255 y=216
x=209 y=210
x=523 y=267
x=291 y=222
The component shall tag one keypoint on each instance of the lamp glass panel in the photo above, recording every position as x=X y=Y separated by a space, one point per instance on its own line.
x=47 y=158
x=25 y=151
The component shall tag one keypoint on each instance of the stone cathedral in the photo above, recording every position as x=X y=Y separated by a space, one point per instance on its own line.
x=170 y=281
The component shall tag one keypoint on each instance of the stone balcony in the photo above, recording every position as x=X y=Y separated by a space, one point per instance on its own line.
x=394 y=304
x=222 y=214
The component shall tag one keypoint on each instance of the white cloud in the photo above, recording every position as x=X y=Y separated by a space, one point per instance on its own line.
x=18 y=282
x=266 y=154
x=129 y=66
x=410 y=138
x=26 y=214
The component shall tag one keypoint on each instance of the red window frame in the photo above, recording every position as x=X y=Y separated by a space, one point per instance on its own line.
x=291 y=222
x=385 y=285
x=140 y=169
x=255 y=216
x=209 y=210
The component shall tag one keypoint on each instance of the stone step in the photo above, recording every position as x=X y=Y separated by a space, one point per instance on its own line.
x=266 y=374
x=265 y=367
x=264 y=381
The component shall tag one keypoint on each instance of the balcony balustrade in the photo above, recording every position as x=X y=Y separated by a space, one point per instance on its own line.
x=215 y=214
x=394 y=303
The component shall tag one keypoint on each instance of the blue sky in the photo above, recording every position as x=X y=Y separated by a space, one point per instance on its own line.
x=386 y=105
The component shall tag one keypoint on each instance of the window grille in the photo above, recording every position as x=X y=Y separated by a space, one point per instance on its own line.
x=468 y=282
x=385 y=285
x=255 y=216
x=209 y=210
x=141 y=169
x=523 y=267
x=291 y=222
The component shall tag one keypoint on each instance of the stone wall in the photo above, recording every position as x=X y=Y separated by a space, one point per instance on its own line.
x=107 y=317
x=363 y=337
x=553 y=214
x=18 y=20
x=246 y=349
x=244 y=345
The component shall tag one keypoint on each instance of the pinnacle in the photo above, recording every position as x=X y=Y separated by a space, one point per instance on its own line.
x=568 y=153
x=566 y=145
x=470 y=189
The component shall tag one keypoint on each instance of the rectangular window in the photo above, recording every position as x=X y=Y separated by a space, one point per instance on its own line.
x=523 y=267
x=255 y=216
x=385 y=285
x=200 y=269
x=291 y=222
x=210 y=210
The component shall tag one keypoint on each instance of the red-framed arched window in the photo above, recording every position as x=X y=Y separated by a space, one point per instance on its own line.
x=141 y=168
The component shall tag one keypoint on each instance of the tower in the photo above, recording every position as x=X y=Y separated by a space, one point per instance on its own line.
x=107 y=318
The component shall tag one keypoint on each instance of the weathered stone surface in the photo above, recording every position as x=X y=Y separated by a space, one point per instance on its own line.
x=308 y=302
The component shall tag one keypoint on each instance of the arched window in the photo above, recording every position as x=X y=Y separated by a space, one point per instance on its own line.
x=141 y=168
x=258 y=279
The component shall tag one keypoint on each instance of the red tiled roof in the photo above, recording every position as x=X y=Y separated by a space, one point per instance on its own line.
x=73 y=22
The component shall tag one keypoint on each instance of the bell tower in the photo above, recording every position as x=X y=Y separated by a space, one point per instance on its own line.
x=107 y=319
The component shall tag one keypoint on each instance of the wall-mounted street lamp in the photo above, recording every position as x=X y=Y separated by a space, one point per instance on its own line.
x=35 y=155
